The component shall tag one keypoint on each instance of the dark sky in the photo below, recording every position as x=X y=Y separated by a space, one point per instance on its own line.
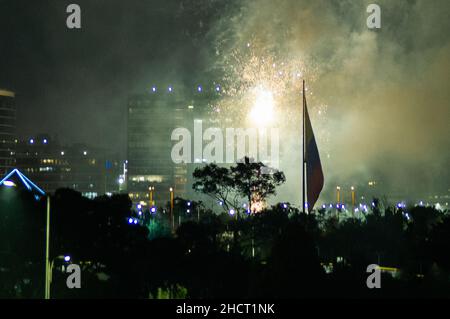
x=74 y=83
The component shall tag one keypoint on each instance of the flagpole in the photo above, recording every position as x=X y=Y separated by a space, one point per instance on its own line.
x=303 y=152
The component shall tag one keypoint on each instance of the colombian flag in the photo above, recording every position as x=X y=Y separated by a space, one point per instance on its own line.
x=314 y=174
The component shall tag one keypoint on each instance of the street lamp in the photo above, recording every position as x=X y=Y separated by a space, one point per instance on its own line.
x=49 y=277
x=338 y=199
x=353 y=200
x=47 y=252
x=338 y=194
x=151 y=190
x=9 y=184
x=121 y=181
x=172 y=220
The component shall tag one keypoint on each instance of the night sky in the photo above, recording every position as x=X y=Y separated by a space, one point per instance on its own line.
x=75 y=83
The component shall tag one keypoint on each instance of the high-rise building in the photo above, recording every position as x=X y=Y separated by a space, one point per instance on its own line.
x=152 y=117
x=7 y=130
x=51 y=165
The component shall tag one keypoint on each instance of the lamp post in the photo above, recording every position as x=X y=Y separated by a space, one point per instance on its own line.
x=353 y=200
x=338 y=200
x=338 y=195
x=172 y=220
x=151 y=190
x=121 y=181
x=47 y=252
x=50 y=272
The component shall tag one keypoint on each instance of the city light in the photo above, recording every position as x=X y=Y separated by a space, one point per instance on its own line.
x=130 y=220
x=232 y=212
x=153 y=210
x=62 y=153
x=67 y=258
x=9 y=184
x=45 y=141
x=31 y=141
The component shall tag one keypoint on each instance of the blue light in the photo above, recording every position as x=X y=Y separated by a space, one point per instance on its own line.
x=45 y=141
x=189 y=203
x=139 y=206
x=170 y=89
x=285 y=206
x=153 y=210
x=135 y=221
x=130 y=220
x=140 y=213
x=323 y=206
x=199 y=88
x=232 y=212
x=31 y=141
x=154 y=89
x=67 y=258
x=218 y=88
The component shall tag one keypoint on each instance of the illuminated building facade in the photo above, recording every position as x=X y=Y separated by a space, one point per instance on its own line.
x=7 y=130
x=151 y=119
x=91 y=171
